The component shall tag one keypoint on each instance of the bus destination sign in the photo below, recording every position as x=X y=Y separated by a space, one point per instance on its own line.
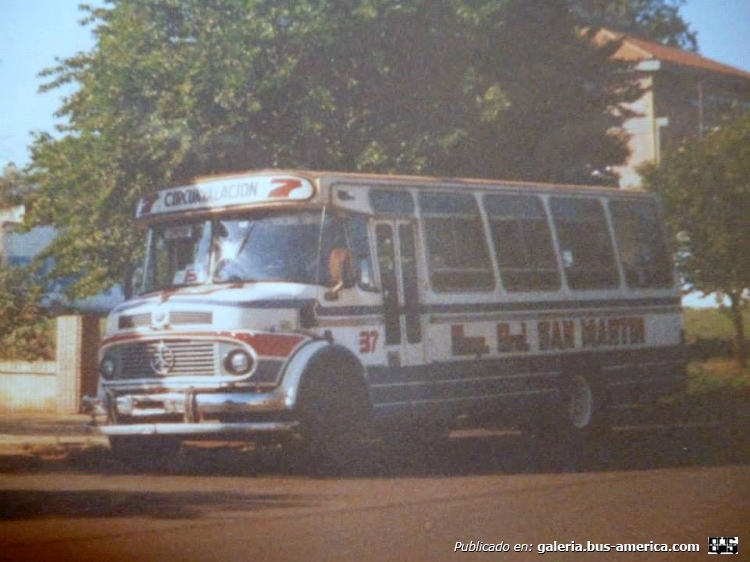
x=227 y=192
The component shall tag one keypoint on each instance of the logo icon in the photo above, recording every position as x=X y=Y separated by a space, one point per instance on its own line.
x=723 y=545
x=146 y=203
x=286 y=186
x=162 y=359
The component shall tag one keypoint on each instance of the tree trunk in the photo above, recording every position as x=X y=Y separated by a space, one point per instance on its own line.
x=740 y=346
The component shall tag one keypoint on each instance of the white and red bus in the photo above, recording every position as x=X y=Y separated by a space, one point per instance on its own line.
x=317 y=305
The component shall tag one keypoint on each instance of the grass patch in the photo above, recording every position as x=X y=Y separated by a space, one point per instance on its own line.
x=717 y=375
x=716 y=390
x=709 y=323
x=709 y=333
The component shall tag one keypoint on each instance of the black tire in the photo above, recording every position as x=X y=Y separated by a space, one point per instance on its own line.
x=574 y=431
x=144 y=453
x=335 y=420
x=582 y=414
x=577 y=410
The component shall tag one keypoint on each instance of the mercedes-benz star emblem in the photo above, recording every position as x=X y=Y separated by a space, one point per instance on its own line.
x=162 y=359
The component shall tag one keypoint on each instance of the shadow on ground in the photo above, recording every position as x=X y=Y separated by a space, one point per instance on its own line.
x=657 y=439
x=42 y=504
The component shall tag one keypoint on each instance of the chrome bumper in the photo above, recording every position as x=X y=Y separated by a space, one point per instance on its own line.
x=194 y=407
x=198 y=429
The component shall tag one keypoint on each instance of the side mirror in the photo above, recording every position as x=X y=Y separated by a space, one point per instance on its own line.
x=342 y=272
x=133 y=282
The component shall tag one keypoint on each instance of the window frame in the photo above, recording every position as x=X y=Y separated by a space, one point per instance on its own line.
x=452 y=219
x=571 y=232
x=648 y=239
x=534 y=262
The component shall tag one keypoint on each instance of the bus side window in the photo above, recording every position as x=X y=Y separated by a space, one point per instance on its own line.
x=522 y=242
x=643 y=253
x=585 y=244
x=458 y=258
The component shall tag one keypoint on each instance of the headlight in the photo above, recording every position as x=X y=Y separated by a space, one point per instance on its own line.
x=107 y=367
x=238 y=362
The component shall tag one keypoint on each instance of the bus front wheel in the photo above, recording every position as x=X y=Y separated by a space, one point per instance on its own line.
x=335 y=420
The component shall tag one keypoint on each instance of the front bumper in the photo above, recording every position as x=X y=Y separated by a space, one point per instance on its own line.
x=192 y=413
x=204 y=429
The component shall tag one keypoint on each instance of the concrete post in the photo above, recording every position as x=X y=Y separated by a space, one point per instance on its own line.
x=77 y=361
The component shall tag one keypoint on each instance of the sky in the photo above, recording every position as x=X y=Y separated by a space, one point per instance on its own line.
x=34 y=33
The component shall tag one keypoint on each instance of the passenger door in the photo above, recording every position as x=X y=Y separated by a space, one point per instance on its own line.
x=397 y=261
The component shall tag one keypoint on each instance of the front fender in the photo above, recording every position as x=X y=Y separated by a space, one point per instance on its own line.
x=292 y=375
x=306 y=356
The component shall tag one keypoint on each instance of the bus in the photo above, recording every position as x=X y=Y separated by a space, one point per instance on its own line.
x=320 y=307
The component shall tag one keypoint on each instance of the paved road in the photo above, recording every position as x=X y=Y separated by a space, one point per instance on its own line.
x=661 y=484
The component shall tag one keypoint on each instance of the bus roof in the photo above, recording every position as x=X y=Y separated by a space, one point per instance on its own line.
x=280 y=187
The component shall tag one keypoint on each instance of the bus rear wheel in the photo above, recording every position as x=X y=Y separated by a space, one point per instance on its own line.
x=574 y=431
x=582 y=413
x=578 y=403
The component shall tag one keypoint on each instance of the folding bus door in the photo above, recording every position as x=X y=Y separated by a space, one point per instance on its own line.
x=397 y=259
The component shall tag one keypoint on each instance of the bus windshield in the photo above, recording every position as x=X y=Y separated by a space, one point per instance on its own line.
x=244 y=248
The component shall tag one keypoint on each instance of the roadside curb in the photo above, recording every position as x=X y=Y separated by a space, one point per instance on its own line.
x=22 y=433
x=18 y=444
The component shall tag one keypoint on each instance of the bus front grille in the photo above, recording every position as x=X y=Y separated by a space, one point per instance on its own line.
x=168 y=358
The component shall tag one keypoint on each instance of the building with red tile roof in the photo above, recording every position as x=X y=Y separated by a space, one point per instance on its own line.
x=686 y=95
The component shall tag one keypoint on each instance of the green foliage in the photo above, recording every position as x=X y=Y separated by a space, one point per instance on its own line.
x=705 y=189
x=26 y=332
x=717 y=391
x=712 y=377
x=542 y=100
x=179 y=88
x=11 y=182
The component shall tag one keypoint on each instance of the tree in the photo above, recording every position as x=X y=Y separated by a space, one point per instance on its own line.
x=25 y=331
x=655 y=20
x=24 y=328
x=705 y=187
x=177 y=88
x=11 y=182
x=564 y=101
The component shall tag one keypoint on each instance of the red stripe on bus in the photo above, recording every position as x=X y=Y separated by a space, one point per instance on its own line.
x=271 y=345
